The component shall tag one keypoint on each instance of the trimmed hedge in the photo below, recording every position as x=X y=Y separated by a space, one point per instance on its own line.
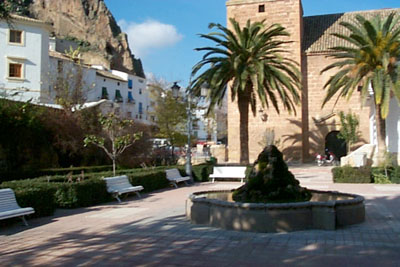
x=151 y=181
x=39 y=196
x=348 y=174
x=28 y=174
x=44 y=194
x=81 y=194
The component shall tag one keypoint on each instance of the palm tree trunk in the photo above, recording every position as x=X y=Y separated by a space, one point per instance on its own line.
x=381 y=134
x=243 y=102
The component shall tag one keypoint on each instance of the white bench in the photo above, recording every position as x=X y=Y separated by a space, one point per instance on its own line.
x=9 y=207
x=174 y=177
x=228 y=172
x=119 y=185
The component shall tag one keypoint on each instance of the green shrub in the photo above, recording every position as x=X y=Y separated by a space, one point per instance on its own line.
x=150 y=181
x=36 y=195
x=46 y=193
x=81 y=194
x=348 y=174
x=395 y=175
x=29 y=174
x=381 y=179
x=201 y=172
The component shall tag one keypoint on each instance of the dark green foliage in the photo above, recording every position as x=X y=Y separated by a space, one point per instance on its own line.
x=73 y=190
x=20 y=7
x=349 y=129
x=39 y=196
x=81 y=194
x=24 y=141
x=348 y=174
x=271 y=181
x=200 y=173
x=21 y=174
x=151 y=181
x=394 y=175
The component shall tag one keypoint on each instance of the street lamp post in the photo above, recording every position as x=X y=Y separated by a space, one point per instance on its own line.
x=175 y=92
x=189 y=131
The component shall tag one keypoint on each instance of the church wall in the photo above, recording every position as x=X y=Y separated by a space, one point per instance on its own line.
x=287 y=127
x=315 y=81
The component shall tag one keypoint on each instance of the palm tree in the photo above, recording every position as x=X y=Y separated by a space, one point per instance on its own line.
x=252 y=59
x=371 y=59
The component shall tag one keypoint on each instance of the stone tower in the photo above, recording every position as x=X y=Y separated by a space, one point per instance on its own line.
x=288 y=128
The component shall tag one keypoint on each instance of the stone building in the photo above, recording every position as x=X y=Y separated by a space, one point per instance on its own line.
x=312 y=128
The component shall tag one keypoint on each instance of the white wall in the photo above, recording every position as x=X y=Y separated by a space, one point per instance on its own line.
x=69 y=71
x=393 y=127
x=33 y=54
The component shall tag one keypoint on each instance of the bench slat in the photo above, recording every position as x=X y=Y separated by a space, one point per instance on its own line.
x=226 y=172
x=9 y=207
x=174 y=176
x=119 y=185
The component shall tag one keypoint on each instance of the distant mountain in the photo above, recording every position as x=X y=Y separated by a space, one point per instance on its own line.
x=93 y=27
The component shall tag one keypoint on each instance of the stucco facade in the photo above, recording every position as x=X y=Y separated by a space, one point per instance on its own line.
x=303 y=134
x=29 y=52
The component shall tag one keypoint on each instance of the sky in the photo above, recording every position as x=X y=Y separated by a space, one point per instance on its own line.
x=164 y=33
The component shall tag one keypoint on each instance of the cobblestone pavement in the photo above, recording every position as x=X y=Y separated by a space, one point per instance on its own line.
x=153 y=231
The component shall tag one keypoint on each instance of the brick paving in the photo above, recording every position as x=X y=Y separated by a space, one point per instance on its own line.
x=153 y=231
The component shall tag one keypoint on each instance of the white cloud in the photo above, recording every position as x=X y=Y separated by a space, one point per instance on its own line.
x=149 y=35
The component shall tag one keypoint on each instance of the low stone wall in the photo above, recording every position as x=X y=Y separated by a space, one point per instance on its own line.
x=254 y=217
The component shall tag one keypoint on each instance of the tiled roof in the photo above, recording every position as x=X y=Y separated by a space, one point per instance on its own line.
x=318 y=29
x=47 y=25
x=107 y=74
x=59 y=55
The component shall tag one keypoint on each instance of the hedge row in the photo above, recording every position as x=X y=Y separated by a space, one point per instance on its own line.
x=348 y=174
x=45 y=194
x=25 y=174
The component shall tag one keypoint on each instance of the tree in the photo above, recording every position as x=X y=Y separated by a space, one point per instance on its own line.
x=349 y=129
x=252 y=59
x=369 y=61
x=70 y=88
x=113 y=128
x=20 y=7
x=170 y=114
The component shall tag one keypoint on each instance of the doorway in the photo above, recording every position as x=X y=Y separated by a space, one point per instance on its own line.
x=335 y=145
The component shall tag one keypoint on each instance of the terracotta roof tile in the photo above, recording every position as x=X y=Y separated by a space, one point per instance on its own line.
x=318 y=30
x=107 y=74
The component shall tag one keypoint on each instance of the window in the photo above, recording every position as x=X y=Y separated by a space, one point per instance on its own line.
x=130 y=98
x=141 y=81
x=129 y=114
x=15 y=70
x=140 y=108
x=261 y=8
x=15 y=37
x=140 y=91
x=130 y=84
x=118 y=96
x=104 y=93
x=118 y=83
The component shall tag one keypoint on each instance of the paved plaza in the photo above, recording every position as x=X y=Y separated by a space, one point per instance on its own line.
x=153 y=231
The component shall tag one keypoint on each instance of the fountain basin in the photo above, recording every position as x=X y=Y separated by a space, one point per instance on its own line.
x=326 y=210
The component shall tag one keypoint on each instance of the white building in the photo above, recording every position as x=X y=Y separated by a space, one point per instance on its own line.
x=31 y=70
x=25 y=58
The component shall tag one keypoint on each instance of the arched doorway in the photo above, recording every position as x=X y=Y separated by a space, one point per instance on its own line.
x=335 y=145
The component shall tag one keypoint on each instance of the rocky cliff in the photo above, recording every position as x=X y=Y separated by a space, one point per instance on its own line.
x=91 y=24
